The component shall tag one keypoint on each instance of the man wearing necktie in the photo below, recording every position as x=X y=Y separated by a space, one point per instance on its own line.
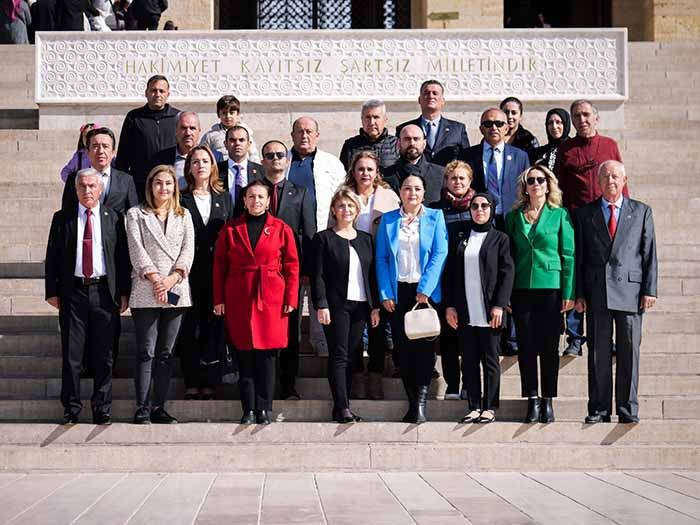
x=616 y=282
x=238 y=171
x=87 y=280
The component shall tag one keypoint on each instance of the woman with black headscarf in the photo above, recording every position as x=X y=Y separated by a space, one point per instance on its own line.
x=558 y=125
x=481 y=274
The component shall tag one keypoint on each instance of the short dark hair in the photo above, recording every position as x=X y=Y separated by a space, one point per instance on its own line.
x=274 y=141
x=237 y=128
x=156 y=78
x=430 y=82
x=100 y=131
x=256 y=182
x=511 y=99
x=415 y=174
x=228 y=102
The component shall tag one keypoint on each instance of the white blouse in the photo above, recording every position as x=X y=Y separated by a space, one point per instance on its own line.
x=364 y=219
x=204 y=206
x=409 y=249
x=356 y=282
x=472 y=280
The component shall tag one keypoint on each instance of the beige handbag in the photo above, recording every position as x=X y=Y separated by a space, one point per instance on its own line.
x=419 y=324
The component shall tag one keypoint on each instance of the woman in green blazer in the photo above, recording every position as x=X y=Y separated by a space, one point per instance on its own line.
x=542 y=246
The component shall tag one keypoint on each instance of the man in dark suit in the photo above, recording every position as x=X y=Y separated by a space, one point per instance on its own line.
x=616 y=282
x=445 y=138
x=293 y=204
x=119 y=191
x=187 y=129
x=237 y=172
x=87 y=279
x=412 y=161
x=495 y=164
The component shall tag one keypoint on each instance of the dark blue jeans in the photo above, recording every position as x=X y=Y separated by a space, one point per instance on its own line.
x=574 y=327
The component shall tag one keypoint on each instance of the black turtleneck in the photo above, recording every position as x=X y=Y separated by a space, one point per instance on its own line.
x=255 y=224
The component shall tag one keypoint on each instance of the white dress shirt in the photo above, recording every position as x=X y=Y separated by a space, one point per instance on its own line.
x=472 y=280
x=99 y=268
x=356 y=282
x=203 y=203
x=409 y=248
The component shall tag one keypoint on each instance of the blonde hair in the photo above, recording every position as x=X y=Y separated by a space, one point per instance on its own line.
x=359 y=155
x=215 y=184
x=346 y=192
x=174 y=204
x=553 y=191
x=458 y=165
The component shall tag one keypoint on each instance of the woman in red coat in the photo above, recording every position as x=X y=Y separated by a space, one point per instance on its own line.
x=256 y=284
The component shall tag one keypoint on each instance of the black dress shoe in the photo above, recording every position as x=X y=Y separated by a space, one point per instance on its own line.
x=357 y=418
x=161 y=417
x=597 y=418
x=101 y=419
x=262 y=417
x=533 y=410
x=248 y=418
x=69 y=418
x=627 y=419
x=344 y=416
x=546 y=410
x=142 y=416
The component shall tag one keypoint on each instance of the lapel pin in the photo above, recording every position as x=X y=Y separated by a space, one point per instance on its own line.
x=267 y=230
x=216 y=204
x=509 y=157
x=289 y=193
x=105 y=214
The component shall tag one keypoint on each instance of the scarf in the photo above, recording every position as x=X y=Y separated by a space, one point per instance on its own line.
x=458 y=203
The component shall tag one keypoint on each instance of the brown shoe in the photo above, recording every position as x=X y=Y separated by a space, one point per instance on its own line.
x=375 y=387
x=359 y=386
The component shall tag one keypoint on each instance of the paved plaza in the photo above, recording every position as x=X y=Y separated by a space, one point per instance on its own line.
x=430 y=498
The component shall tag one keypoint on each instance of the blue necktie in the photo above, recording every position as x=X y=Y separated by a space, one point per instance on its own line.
x=236 y=187
x=431 y=133
x=492 y=178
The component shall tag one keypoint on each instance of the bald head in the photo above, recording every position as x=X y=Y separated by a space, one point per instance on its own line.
x=305 y=134
x=411 y=143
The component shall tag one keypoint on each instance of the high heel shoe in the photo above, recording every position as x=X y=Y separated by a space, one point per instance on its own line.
x=344 y=416
x=533 y=410
x=546 y=410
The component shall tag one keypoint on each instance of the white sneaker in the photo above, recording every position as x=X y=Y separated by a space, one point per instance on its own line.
x=451 y=397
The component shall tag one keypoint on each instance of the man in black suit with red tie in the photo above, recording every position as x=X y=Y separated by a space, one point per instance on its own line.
x=237 y=172
x=445 y=138
x=294 y=205
x=87 y=279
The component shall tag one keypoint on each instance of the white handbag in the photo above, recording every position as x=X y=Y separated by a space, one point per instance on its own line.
x=419 y=324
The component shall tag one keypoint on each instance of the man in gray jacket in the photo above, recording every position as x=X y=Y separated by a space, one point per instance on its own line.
x=616 y=282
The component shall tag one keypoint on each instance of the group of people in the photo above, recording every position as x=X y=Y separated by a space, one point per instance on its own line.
x=502 y=238
x=20 y=19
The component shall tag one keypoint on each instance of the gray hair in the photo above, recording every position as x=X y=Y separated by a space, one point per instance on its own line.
x=374 y=103
x=88 y=172
x=184 y=114
x=580 y=102
x=614 y=165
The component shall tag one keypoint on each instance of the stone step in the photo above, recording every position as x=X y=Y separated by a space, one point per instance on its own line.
x=306 y=410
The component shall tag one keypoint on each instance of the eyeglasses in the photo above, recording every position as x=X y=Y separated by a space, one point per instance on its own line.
x=531 y=180
x=270 y=155
x=483 y=205
x=491 y=123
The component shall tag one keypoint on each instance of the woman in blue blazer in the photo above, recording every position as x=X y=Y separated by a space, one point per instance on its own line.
x=411 y=254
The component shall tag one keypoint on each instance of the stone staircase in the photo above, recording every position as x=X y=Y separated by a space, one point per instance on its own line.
x=659 y=143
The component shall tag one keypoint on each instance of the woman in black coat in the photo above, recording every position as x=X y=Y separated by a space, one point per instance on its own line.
x=344 y=293
x=480 y=272
x=210 y=207
x=557 y=123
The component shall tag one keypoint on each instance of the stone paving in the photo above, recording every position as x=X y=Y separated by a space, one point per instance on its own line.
x=429 y=498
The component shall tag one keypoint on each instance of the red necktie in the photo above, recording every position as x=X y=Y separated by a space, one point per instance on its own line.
x=612 y=223
x=273 y=201
x=87 y=245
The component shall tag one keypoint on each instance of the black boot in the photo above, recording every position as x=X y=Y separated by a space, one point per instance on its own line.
x=533 y=410
x=410 y=416
x=546 y=410
x=248 y=417
x=421 y=416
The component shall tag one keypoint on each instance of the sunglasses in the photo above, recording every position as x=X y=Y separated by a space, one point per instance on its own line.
x=272 y=154
x=491 y=123
x=531 y=180
x=483 y=205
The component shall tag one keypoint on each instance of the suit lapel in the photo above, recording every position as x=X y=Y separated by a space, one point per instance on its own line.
x=242 y=232
x=72 y=235
x=106 y=228
x=599 y=225
x=393 y=233
x=506 y=180
x=442 y=132
x=197 y=220
x=153 y=225
x=426 y=239
x=265 y=234
x=624 y=223
x=286 y=189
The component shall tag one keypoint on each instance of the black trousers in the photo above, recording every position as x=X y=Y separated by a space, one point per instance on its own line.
x=193 y=344
x=148 y=21
x=88 y=323
x=257 y=378
x=449 y=355
x=376 y=345
x=344 y=339
x=479 y=346
x=416 y=357
x=289 y=357
x=628 y=336
x=537 y=317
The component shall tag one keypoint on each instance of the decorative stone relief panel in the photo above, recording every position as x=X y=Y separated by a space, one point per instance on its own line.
x=271 y=66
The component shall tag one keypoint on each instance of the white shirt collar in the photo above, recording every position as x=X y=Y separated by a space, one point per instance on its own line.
x=232 y=163
x=95 y=210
